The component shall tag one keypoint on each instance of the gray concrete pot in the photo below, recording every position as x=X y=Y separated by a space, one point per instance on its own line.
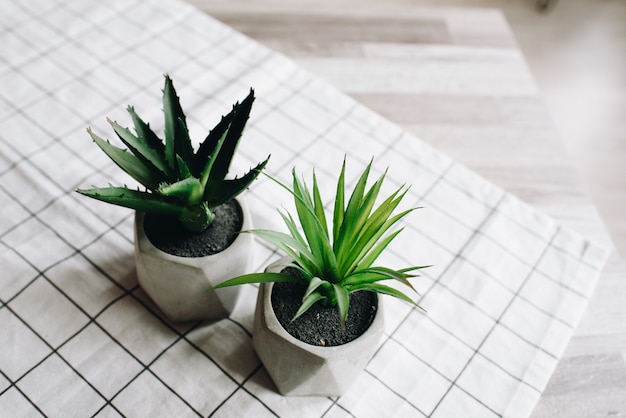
x=301 y=369
x=178 y=285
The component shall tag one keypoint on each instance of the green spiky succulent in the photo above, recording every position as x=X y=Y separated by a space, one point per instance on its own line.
x=179 y=182
x=338 y=262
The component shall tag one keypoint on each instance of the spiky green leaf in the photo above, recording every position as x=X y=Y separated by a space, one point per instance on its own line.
x=355 y=227
x=184 y=148
x=205 y=174
x=371 y=256
x=241 y=113
x=217 y=193
x=146 y=134
x=183 y=169
x=374 y=274
x=293 y=228
x=339 y=209
x=258 y=278
x=351 y=214
x=369 y=243
x=293 y=247
x=127 y=162
x=134 y=199
x=307 y=302
x=150 y=157
x=385 y=290
x=318 y=206
x=342 y=298
x=188 y=190
x=176 y=134
x=314 y=284
x=208 y=146
x=316 y=236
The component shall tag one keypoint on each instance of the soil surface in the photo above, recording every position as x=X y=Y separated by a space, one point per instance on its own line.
x=320 y=325
x=167 y=234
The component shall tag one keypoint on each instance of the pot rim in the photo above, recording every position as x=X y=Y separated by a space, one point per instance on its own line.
x=377 y=325
x=239 y=244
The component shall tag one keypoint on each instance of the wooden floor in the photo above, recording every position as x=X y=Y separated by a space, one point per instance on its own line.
x=544 y=132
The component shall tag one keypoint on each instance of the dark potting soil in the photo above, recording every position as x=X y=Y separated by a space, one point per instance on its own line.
x=320 y=325
x=169 y=235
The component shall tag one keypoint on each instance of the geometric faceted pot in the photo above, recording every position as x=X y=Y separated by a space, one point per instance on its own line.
x=179 y=285
x=301 y=369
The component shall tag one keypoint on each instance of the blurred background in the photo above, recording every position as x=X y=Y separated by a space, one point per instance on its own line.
x=576 y=51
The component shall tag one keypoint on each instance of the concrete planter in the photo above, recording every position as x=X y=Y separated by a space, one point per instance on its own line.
x=301 y=369
x=178 y=285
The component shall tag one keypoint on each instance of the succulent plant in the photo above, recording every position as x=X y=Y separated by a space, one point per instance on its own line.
x=338 y=262
x=179 y=182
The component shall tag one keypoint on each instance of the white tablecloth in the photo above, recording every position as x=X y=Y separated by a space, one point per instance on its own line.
x=78 y=337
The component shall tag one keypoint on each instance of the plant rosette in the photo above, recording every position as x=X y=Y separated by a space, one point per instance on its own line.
x=302 y=369
x=178 y=284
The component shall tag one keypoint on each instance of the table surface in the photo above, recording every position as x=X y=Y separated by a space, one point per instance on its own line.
x=80 y=335
x=401 y=61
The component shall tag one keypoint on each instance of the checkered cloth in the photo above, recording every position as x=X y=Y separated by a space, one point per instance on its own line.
x=79 y=337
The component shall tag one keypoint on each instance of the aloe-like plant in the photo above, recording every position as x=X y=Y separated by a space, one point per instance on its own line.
x=179 y=182
x=334 y=263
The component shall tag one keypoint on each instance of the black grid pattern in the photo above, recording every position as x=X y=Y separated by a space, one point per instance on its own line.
x=79 y=336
